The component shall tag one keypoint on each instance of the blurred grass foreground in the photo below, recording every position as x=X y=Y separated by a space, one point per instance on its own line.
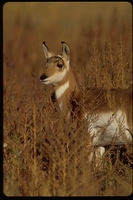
x=40 y=158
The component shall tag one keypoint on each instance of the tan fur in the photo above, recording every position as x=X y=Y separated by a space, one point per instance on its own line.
x=105 y=103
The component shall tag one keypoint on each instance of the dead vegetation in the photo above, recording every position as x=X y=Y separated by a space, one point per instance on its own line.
x=43 y=154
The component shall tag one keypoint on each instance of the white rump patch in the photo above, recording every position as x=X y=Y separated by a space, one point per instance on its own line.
x=108 y=128
x=61 y=90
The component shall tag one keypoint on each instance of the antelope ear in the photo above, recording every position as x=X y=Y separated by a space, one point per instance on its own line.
x=47 y=52
x=65 y=51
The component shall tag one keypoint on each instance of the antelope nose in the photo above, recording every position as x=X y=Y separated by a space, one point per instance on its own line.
x=43 y=77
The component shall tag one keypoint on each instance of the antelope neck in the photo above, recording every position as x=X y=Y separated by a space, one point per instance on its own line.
x=64 y=92
x=61 y=90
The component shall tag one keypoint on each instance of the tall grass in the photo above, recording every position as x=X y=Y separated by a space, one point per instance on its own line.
x=43 y=154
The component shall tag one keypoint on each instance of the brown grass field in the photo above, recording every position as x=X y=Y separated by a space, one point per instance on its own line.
x=42 y=155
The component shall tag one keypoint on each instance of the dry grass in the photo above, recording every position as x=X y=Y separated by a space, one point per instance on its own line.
x=43 y=155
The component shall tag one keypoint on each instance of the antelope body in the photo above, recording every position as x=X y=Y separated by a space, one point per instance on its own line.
x=109 y=122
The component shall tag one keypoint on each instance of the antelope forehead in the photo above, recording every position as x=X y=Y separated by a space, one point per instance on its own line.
x=55 y=59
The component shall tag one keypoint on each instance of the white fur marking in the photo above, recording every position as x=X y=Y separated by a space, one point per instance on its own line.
x=61 y=90
x=55 y=78
x=99 y=151
x=67 y=64
x=61 y=106
x=107 y=128
x=128 y=135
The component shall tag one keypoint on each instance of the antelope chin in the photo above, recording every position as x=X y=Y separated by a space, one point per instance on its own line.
x=45 y=81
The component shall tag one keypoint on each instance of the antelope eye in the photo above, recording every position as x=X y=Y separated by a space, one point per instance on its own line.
x=59 y=65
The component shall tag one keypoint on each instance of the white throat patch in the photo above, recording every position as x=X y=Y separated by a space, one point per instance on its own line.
x=61 y=90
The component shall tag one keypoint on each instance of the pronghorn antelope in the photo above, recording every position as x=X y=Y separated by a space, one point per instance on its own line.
x=113 y=123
